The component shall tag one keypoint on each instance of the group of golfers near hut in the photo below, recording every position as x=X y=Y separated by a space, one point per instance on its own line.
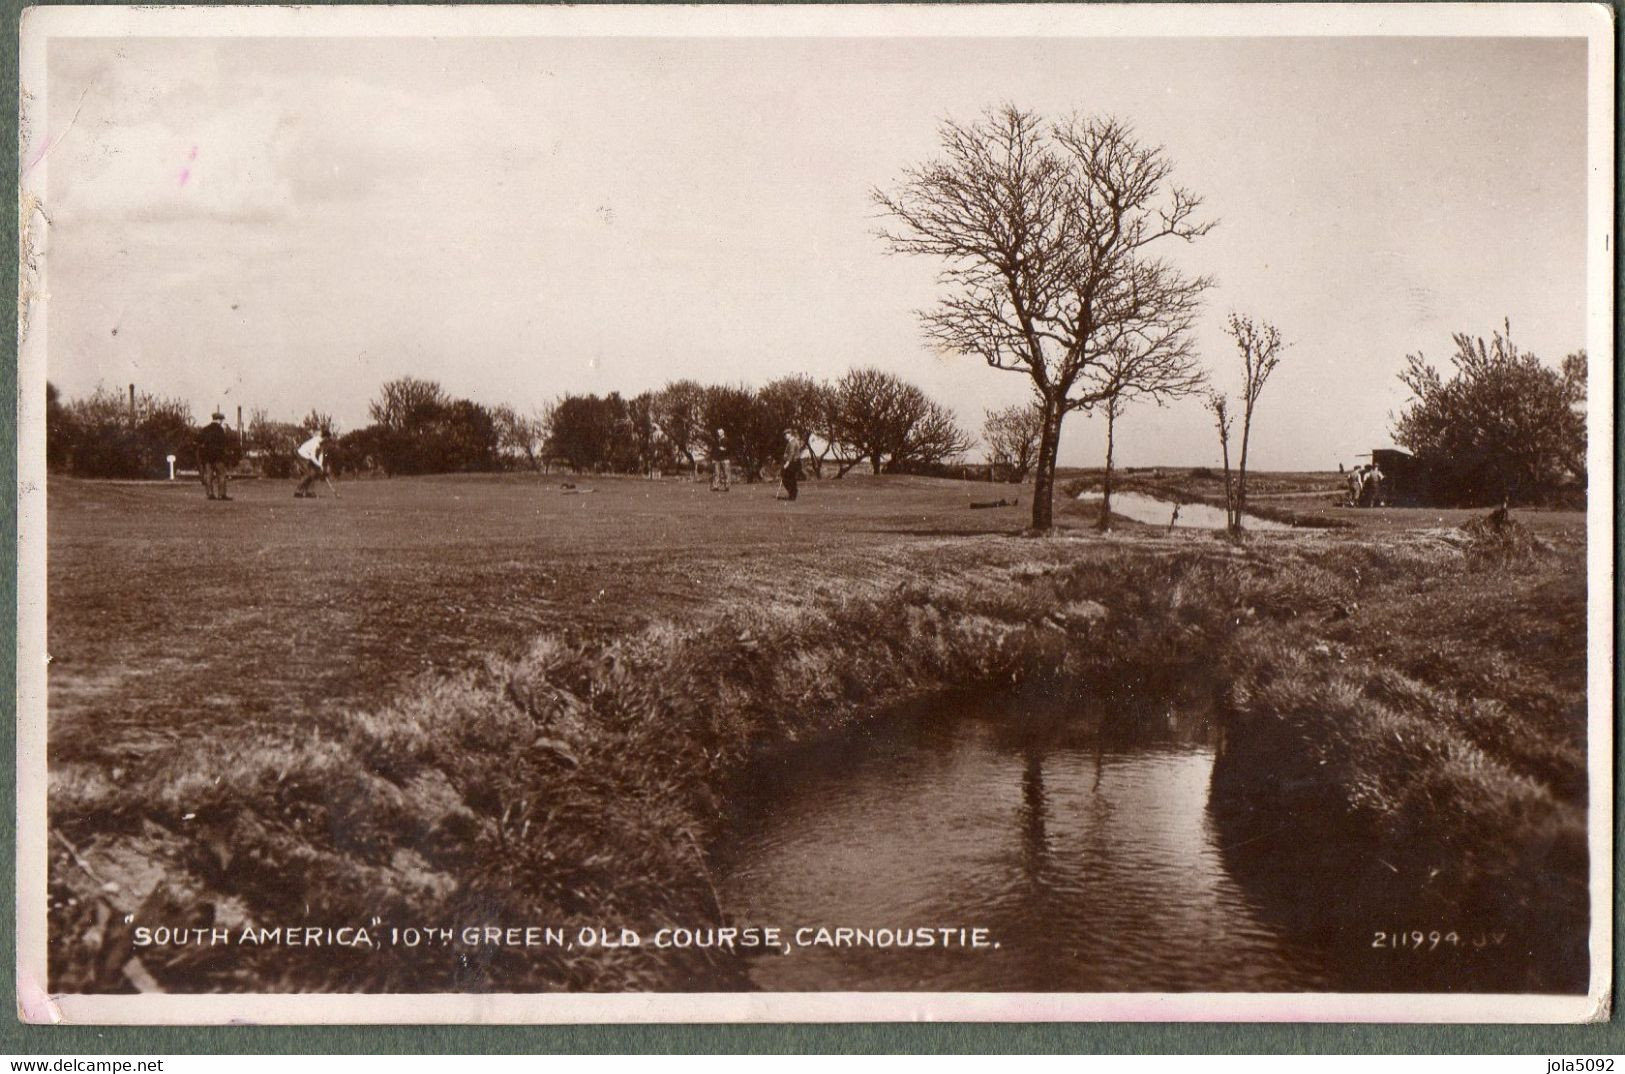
x=1364 y=485
x=310 y=461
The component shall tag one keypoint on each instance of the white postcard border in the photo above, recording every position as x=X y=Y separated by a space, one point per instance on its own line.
x=1144 y=21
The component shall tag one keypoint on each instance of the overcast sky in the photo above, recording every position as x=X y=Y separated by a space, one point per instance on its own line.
x=288 y=223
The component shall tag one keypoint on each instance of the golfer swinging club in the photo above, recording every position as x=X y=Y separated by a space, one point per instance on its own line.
x=310 y=463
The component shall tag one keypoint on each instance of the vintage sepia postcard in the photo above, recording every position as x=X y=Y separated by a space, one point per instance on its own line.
x=800 y=513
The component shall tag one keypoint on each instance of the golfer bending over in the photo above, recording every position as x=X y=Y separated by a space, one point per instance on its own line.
x=790 y=476
x=310 y=465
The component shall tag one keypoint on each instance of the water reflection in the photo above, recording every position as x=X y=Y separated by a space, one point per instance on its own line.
x=1078 y=831
x=1034 y=841
x=1083 y=845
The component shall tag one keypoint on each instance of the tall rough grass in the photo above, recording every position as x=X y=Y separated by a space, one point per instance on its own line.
x=1423 y=757
x=580 y=784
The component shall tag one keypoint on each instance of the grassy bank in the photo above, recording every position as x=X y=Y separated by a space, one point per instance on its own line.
x=1421 y=760
x=579 y=782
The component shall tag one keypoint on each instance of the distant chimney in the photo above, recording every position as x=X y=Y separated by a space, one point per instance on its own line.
x=132 y=404
x=239 y=423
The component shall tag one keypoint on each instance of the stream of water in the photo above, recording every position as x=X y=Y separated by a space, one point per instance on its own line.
x=1083 y=846
x=1155 y=512
x=1093 y=865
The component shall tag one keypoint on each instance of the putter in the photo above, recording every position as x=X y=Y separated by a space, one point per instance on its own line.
x=332 y=487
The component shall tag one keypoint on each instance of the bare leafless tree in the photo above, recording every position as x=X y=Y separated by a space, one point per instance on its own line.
x=827 y=429
x=1260 y=347
x=541 y=424
x=519 y=435
x=805 y=405
x=680 y=413
x=404 y=400
x=320 y=420
x=932 y=436
x=1047 y=234
x=1113 y=405
x=868 y=406
x=1134 y=371
x=1220 y=407
x=1012 y=438
x=886 y=421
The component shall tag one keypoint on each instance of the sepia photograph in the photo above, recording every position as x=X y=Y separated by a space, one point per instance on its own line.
x=601 y=514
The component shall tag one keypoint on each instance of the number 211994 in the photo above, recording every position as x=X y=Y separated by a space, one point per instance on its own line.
x=1431 y=940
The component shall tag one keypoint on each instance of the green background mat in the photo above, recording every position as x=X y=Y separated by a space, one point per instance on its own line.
x=949 y=1037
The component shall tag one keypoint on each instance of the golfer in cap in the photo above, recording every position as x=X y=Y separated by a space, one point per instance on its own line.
x=211 y=457
x=719 y=463
x=311 y=461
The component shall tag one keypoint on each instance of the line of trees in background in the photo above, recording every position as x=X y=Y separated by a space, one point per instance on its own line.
x=868 y=417
x=107 y=434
